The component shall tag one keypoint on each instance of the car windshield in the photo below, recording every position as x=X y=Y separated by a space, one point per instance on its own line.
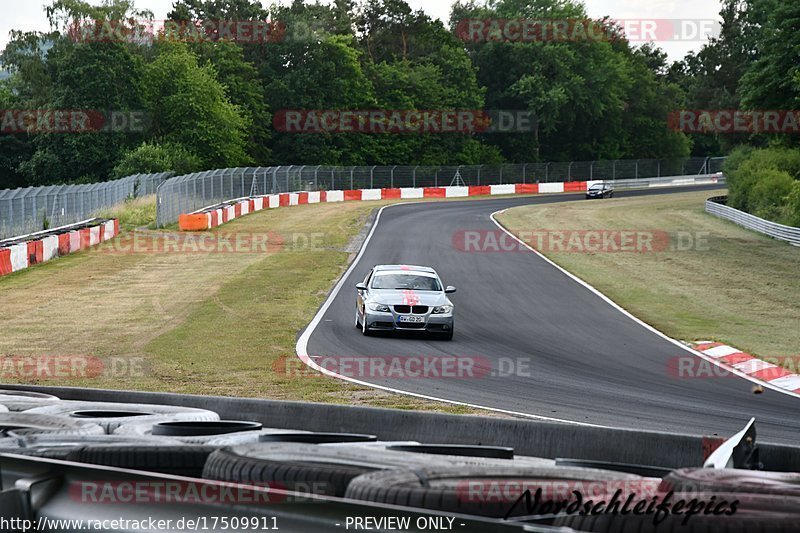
x=596 y=186
x=406 y=281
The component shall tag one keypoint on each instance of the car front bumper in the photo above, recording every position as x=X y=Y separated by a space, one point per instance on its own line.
x=439 y=323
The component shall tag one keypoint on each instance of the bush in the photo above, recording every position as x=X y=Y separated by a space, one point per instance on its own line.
x=148 y=158
x=765 y=183
x=791 y=214
x=768 y=195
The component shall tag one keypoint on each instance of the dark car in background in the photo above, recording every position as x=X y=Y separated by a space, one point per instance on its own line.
x=600 y=190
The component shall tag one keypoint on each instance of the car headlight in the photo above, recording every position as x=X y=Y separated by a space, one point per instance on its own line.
x=379 y=307
x=442 y=309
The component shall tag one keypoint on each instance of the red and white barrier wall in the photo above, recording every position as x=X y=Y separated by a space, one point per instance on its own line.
x=38 y=248
x=213 y=217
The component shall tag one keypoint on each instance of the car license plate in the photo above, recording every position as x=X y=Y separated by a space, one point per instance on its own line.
x=411 y=319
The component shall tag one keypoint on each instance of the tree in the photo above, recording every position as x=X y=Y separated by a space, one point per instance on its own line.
x=189 y=107
x=771 y=82
x=148 y=158
x=15 y=148
x=244 y=90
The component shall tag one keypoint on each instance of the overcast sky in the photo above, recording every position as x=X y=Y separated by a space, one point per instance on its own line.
x=28 y=15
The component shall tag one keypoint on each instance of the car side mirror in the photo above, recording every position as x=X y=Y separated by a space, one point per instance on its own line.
x=361 y=286
x=449 y=289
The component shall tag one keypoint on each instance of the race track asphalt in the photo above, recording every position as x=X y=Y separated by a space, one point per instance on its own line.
x=540 y=342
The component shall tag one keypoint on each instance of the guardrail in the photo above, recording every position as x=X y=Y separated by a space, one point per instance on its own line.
x=190 y=192
x=211 y=216
x=716 y=206
x=527 y=436
x=670 y=181
x=22 y=252
x=29 y=209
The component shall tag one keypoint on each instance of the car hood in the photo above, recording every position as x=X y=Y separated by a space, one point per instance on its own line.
x=408 y=297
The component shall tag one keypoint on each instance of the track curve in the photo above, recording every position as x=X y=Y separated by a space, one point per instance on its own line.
x=588 y=362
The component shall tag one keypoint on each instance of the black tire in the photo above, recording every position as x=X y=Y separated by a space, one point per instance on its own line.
x=64 y=447
x=113 y=420
x=179 y=460
x=732 y=480
x=364 y=329
x=145 y=430
x=20 y=400
x=233 y=464
x=27 y=423
x=316 y=468
x=449 y=335
x=447 y=489
x=46 y=452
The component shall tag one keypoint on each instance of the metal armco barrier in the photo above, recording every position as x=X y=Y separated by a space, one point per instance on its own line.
x=31 y=209
x=716 y=206
x=191 y=192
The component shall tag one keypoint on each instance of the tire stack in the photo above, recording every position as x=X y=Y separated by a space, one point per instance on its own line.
x=42 y=425
x=473 y=480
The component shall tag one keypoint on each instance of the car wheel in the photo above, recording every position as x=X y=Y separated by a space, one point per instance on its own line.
x=611 y=195
x=449 y=335
x=358 y=324
x=364 y=329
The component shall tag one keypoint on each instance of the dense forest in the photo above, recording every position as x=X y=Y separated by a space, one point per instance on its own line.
x=184 y=101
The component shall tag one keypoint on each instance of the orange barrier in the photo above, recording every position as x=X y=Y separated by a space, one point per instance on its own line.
x=354 y=194
x=193 y=222
x=433 y=192
x=574 y=186
x=479 y=190
x=86 y=238
x=63 y=244
x=5 y=262
x=35 y=252
x=526 y=188
x=390 y=194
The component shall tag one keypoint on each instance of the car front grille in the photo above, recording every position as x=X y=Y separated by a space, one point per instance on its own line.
x=413 y=309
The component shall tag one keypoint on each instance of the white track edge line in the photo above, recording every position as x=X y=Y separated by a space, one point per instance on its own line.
x=645 y=325
x=301 y=347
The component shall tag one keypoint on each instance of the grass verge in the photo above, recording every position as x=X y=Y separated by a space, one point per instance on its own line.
x=134 y=213
x=713 y=281
x=158 y=315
